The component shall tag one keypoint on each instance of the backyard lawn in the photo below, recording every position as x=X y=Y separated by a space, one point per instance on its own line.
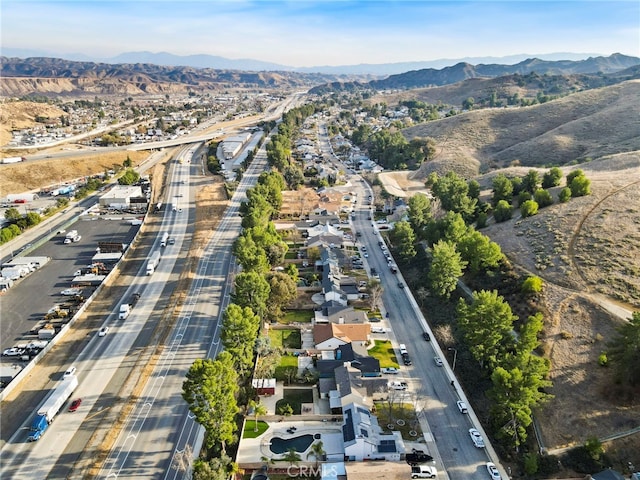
x=383 y=351
x=297 y=316
x=250 y=427
x=287 y=338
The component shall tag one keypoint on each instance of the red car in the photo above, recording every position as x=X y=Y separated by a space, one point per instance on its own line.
x=75 y=405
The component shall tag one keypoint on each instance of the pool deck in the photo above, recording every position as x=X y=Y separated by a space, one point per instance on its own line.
x=252 y=450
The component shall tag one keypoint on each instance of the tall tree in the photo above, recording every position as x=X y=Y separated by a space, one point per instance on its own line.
x=479 y=251
x=453 y=191
x=419 y=210
x=258 y=410
x=531 y=181
x=239 y=331
x=487 y=323
x=446 y=268
x=624 y=352
x=404 y=239
x=282 y=291
x=502 y=189
x=252 y=290
x=210 y=390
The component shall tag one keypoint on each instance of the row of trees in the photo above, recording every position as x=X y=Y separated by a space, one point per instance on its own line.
x=532 y=192
x=487 y=323
x=216 y=389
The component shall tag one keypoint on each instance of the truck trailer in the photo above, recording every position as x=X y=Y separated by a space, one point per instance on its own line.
x=153 y=261
x=13 y=159
x=126 y=307
x=51 y=407
x=163 y=241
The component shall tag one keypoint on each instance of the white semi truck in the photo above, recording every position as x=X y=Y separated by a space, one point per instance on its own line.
x=153 y=261
x=51 y=407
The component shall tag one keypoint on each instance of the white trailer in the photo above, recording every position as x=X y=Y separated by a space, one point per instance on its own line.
x=60 y=395
x=152 y=263
x=13 y=159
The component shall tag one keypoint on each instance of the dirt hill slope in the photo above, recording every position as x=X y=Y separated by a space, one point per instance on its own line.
x=588 y=124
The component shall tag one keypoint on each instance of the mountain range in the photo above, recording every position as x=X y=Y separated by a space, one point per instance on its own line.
x=222 y=63
x=41 y=75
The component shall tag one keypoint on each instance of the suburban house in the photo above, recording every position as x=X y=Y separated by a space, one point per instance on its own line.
x=363 y=438
x=335 y=312
x=329 y=336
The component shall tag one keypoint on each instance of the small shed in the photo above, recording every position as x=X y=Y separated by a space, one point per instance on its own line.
x=264 y=386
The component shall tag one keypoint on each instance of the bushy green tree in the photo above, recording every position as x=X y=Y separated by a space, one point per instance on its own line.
x=543 y=198
x=531 y=181
x=624 y=352
x=503 y=211
x=419 y=211
x=564 y=195
x=453 y=192
x=532 y=285
x=580 y=186
x=529 y=208
x=552 y=178
x=479 y=251
x=502 y=189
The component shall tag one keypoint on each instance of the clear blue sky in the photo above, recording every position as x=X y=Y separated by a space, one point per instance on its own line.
x=302 y=33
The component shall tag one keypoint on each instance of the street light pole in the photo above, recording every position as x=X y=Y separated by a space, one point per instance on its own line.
x=455 y=356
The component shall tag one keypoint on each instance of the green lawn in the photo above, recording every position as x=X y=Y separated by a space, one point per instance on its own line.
x=295 y=397
x=390 y=414
x=287 y=363
x=288 y=338
x=383 y=351
x=297 y=316
x=250 y=426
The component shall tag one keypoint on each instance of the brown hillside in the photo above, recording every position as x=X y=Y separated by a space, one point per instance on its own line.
x=18 y=115
x=587 y=124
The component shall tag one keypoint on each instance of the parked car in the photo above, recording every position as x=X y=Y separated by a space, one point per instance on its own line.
x=75 y=405
x=390 y=370
x=378 y=330
x=462 y=406
x=476 y=438
x=13 y=352
x=398 y=385
x=423 y=471
x=493 y=471
x=438 y=361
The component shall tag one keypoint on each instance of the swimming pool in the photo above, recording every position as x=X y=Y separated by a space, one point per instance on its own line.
x=300 y=443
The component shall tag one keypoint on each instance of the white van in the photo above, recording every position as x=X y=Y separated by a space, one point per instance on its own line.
x=403 y=349
x=423 y=471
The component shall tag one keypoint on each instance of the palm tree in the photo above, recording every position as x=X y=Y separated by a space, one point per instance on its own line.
x=258 y=409
x=292 y=457
x=317 y=451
